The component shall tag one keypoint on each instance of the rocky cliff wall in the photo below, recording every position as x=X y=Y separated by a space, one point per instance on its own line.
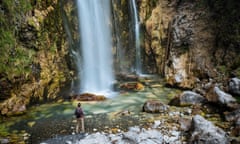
x=33 y=48
x=186 y=42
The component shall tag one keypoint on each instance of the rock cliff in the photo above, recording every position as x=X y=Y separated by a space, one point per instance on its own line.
x=185 y=39
x=33 y=48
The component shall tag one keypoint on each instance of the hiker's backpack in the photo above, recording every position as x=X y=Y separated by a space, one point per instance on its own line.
x=79 y=112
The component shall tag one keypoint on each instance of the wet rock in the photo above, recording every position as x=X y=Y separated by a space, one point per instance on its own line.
x=133 y=136
x=126 y=77
x=218 y=96
x=204 y=131
x=234 y=86
x=187 y=98
x=132 y=86
x=153 y=106
x=88 y=97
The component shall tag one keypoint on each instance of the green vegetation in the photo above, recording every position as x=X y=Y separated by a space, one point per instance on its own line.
x=223 y=69
x=3 y=131
x=15 y=60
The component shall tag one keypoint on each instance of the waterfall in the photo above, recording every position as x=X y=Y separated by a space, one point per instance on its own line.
x=95 y=65
x=138 y=61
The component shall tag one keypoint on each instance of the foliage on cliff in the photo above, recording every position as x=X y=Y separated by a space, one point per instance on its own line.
x=14 y=58
x=33 y=48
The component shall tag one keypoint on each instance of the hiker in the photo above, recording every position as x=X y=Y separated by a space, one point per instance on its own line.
x=80 y=118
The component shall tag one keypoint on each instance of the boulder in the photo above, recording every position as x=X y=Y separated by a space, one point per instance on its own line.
x=204 y=132
x=94 y=139
x=14 y=106
x=153 y=106
x=187 y=98
x=135 y=135
x=132 y=86
x=141 y=136
x=126 y=77
x=222 y=97
x=218 y=96
x=232 y=116
x=88 y=97
x=234 y=86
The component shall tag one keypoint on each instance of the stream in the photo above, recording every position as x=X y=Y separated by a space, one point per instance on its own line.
x=51 y=120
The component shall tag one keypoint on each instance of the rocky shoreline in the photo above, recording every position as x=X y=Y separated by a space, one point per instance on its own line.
x=173 y=128
x=188 y=118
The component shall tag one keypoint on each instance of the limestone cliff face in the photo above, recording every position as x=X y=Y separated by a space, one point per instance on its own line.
x=33 y=44
x=183 y=39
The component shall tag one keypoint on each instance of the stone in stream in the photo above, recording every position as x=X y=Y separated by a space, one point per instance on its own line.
x=88 y=97
x=154 y=106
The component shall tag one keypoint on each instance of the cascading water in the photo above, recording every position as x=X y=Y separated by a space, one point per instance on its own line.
x=138 y=61
x=95 y=65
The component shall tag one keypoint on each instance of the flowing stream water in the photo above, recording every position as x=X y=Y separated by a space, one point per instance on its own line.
x=54 y=120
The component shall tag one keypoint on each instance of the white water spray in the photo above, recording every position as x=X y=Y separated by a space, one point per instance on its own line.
x=95 y=65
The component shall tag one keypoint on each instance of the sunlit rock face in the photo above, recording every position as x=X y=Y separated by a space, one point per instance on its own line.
x=177 y=74
x=169 y=36
x=180 y=42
